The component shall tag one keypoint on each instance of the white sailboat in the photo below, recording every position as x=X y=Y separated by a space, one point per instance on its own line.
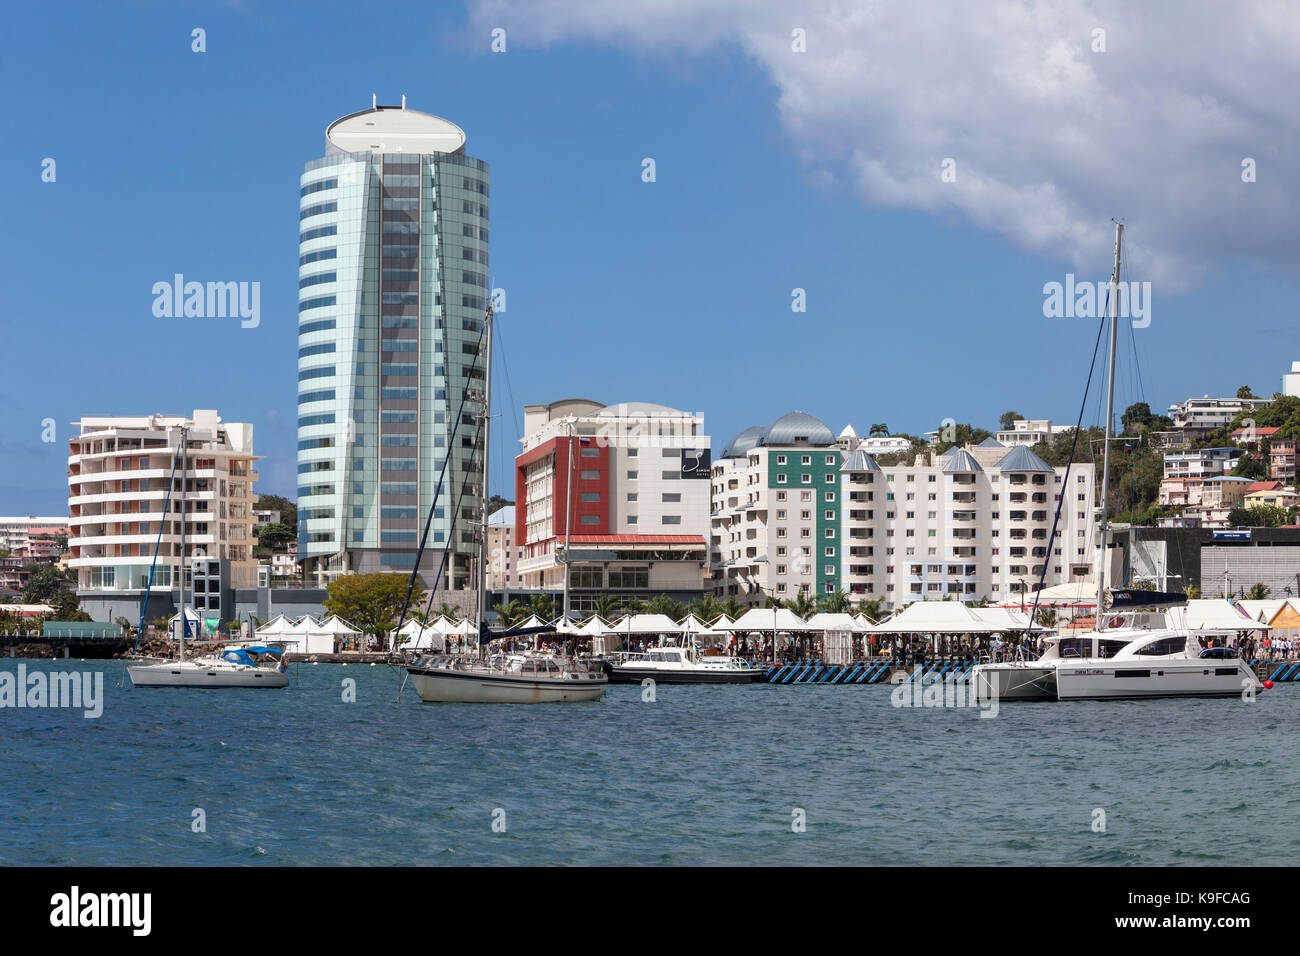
x=1111 y=663
x=507 y=677
x=251 y=665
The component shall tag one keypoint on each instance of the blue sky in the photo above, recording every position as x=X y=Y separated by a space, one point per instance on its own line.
x=676 y=292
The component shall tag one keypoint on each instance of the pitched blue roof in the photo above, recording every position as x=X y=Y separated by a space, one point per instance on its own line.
x=859 y=461
x=1021 y=458
x=990 y=442
x=960 y=461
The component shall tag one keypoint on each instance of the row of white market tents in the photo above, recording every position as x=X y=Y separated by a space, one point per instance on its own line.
x=308 y=635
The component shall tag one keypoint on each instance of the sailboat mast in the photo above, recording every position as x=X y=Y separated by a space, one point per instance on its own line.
x=487 y=424
x=185 y=465
x=568 y=516
x=1110 y=413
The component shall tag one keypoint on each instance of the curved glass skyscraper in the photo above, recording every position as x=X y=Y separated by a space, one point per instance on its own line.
x=393 y=286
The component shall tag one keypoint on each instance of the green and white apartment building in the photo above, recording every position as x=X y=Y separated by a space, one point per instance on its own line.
x=393 y=280
x=797 y=510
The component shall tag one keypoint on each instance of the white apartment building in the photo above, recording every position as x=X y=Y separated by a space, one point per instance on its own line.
x=629 y=484
x=503 y=552
x=118 y=476
x=1210 y=413
x=794 y=512
x=1291 y=381
x=1186 y=472
x=16 y=529
x=1030 y=431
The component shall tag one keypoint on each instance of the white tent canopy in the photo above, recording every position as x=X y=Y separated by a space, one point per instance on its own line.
x=643 y=624
x=1212 y=615
x=936 y=617
x=1004 y=619
x=768 y=619
x=826 y=621
x=276 y=627
x=1072 y=592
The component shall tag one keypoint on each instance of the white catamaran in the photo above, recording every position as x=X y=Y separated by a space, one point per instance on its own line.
x=1118 y=663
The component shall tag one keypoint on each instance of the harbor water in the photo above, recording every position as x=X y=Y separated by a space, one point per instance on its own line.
x=743 y=775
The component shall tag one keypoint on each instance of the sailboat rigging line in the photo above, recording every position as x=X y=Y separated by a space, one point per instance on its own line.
x=1065 y=480
x=144 y=604
x=442 y=565
x=501 y=351
x=428 y=521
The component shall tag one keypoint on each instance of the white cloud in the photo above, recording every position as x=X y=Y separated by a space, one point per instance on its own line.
x=1050 y=138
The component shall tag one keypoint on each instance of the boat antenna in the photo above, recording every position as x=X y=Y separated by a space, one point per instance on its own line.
x=1112 y=292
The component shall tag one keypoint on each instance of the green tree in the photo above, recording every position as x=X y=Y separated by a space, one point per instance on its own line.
x=837 y=602
x=288 y=510
x=1253 y=467
x=1257 y=592
x=961 y=435
x=663 y=604
x=43 y=584
x=870 y=607
x=802 y=605
x=1193 y=592
x=543 y=605
x=880 y=429
x=275 y=536
x=605 y=605
x=513 y=612
x=67 y=608
x=1245 y=392
x=1261 y=516
x=1009 y=419
x=496 y=503
x=370 y=602
x=732 y=608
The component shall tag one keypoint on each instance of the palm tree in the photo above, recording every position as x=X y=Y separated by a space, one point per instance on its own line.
x=512 y=612
x=802 y=605
x=1258 y=592
x=870 y=607
x=633 y=605
x=605 y=605
x=543 y=605
x=732 y=608
x=663 y=604
x=706 y=609
x=878 y=429
x=837 y=602
x=1193 y=592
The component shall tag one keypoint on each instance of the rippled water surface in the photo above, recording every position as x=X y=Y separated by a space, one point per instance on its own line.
x=703 y=775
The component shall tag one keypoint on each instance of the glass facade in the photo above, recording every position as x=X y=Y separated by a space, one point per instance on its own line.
x=394 y=285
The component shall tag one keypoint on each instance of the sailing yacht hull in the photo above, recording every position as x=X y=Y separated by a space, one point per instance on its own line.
x=1014 y=682
x=190 y=675
x=625 y=674
x=437 y=685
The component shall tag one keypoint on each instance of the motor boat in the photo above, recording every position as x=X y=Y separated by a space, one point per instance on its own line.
x=1120 y=664
x=254 y=665
x=507 y=678
x=682 y=665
